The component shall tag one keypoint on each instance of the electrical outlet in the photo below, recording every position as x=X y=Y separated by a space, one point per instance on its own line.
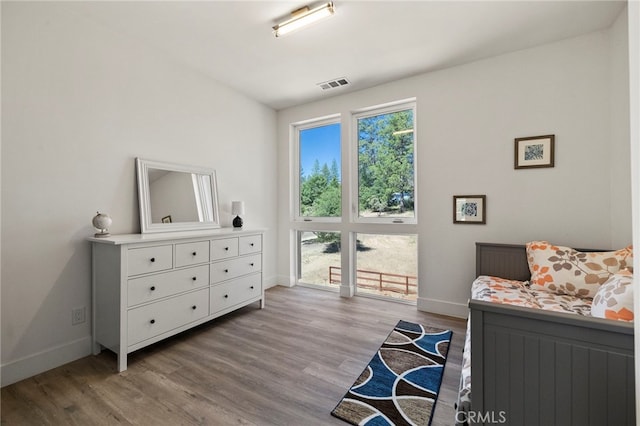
x=78 y=315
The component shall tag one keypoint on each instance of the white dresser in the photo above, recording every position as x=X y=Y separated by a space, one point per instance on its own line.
x=147 y=287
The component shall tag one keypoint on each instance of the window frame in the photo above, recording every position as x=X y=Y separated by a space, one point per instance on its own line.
x=296 y=128
x=354 y=211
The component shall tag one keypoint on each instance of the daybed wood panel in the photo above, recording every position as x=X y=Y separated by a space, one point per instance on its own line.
x=505 y=260
x=541 y=367
x=502 y=260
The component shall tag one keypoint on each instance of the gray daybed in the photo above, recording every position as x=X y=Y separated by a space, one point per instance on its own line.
x=536 y=367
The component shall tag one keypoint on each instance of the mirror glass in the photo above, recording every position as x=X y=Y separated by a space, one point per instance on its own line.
x=176 y=197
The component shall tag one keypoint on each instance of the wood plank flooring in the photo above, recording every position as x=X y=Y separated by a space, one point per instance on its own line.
x=288 y=364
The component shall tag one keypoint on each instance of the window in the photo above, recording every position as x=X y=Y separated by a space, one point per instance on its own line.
x=372 y=250
x=387 y=265
x=319 y=186
x=319 y=259
x=385 y=164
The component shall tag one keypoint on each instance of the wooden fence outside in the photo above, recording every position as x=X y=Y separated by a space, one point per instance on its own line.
x=381 y=281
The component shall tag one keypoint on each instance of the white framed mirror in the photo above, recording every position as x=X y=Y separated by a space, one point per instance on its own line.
x=175 y=197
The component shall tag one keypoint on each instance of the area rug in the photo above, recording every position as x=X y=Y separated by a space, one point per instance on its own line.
x=401 y=383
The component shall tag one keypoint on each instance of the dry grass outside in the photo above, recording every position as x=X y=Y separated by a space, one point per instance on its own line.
x=317 y=257
x=391 y=254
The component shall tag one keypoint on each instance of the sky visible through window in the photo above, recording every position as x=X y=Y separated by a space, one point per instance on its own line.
x=322 y=144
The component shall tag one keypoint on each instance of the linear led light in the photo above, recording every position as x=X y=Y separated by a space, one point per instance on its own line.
x=302 y=17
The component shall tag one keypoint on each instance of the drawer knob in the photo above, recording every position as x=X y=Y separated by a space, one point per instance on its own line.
x=226 y=248
x=193 y=307
x=251 y=244
x=194 y=278
x=251 y=264
x=194 y=253
x=152 y=321
x=226 y=270
x=153 y=259
x=153 y=287
x=251 y=287
x=226 y=296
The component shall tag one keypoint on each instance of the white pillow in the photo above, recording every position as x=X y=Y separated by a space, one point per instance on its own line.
x=614 y=299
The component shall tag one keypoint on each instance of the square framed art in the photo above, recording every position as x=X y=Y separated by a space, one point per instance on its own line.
x=534 y=152
x=470 y=209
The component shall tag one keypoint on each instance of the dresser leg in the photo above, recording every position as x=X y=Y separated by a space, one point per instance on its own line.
x=262 y=303
x=122 y=361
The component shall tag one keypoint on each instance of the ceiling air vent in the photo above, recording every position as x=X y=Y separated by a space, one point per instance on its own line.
x=333 y=84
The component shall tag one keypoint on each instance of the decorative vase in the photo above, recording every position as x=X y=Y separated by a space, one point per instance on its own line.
x=102 y=222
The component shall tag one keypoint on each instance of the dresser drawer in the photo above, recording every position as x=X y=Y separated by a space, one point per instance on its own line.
x=222 y=249
x=152 y=287
x=233 y=268
x=234 y=292
x=149 y=259
x=192 y=253
x=151 y=320
x=250 y=244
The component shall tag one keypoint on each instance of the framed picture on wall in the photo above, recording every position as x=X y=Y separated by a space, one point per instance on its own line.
x=470 y=209
x=534 y=152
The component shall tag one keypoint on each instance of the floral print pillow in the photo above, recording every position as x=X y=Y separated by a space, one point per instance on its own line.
x=614 y=300
x=563 y=270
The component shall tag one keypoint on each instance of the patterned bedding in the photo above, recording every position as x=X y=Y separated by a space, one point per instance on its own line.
x=517 y=293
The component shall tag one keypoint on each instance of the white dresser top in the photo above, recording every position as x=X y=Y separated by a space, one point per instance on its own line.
x=163 y=236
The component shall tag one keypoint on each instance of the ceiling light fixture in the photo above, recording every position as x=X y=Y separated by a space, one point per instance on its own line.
x=302 y=17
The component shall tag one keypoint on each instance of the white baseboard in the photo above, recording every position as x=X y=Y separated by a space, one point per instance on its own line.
x=269 y=282
x=281 y=280
x=31 y=365
x=442 y=307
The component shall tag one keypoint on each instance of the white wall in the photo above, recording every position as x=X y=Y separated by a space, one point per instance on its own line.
x=620 y=159
x=79 y=103
x=634 y=133
x=468 y=117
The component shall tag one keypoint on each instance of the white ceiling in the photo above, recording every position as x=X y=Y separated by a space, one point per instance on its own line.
x=368 y=42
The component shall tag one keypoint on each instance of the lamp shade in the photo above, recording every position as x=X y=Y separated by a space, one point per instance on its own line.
x=237 y=207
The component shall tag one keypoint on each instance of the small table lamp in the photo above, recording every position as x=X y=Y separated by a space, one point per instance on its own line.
x=237 y=208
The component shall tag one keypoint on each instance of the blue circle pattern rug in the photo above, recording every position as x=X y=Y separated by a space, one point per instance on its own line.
x=401 y=383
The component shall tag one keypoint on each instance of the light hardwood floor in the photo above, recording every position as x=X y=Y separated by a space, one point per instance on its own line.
x=288 y=364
